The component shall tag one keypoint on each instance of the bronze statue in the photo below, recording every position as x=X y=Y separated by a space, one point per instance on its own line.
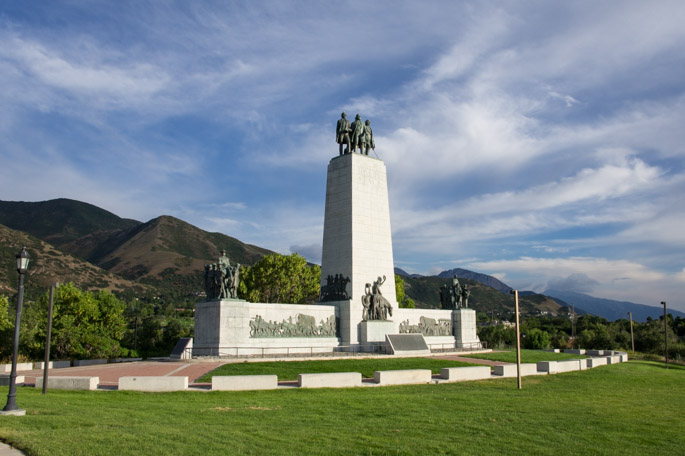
x=376 y=307
x=453 y=296
x=368 y=137
x=342 y=133
x=358 y=134
x=335 y=289
x=222 y=279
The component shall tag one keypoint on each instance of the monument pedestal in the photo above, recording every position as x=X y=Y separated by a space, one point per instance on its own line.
x=465 y=329
x=375 y=330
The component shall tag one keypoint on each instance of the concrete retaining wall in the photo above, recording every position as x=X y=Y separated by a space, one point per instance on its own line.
x=5 y=380
x=574 y=351
x=594 y=362
x=403 y=377
x=509 y=370
x=70 y=383
x=52 y=364
x=7 y=368
x=330 y=380
x=244 y=382
x=89 y=362
x=557 y=367
x=613 y=359
x=459 y=374
x=153 y=383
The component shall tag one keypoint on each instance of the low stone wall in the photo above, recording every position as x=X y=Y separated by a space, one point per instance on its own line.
x=89 y=362
x=244 y=382
x=52 y=365
x=7 y=368
x=509 y=370
x=594 y=362
x=330 y=380
x=460 y=374
x=403 y=377
x=558 y=367
x=69 y=383
x=153 y=383
x=5 y=380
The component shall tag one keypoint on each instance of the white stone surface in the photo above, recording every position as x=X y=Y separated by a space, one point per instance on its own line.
x=5 y=381
x=509 y=370
x=613 y=359
x=153 y=383
x=403 y=377
x=376 y=330
x=223 y=328
x=575 y=351
x=7 y=368
x=594 y=362
x=244 y=382
x=69 y=383
x=465 y=328
x=624 y=358
x=330 y=380
x=459 y=374
x=557 y=367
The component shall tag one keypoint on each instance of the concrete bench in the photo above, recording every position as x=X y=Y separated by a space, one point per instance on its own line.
x=460 y=374
x=244 y=382
x=575 y=351
x=52 y=364
x=89 y=362
x=7 y=368
x=557 y=367
x=594 y=362
x=330 y=380
x=70 y=383
x=509 y=370
x=5 y=380
x=153 y=383
x=599 y=353
x=616 y=359
x=403 y=377
x=624 y=358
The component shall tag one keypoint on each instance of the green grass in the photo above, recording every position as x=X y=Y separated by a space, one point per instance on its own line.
x=288 y=370
x=527 y=356
x=633 y=408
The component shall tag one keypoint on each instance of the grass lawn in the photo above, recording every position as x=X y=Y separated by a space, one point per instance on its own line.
x=527 y=356
x=288 y=370
x=630 y=408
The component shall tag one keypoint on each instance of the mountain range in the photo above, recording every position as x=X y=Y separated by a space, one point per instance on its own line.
x=73 y=241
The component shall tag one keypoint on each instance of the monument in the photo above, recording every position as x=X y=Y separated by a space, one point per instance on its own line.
x=357 y=309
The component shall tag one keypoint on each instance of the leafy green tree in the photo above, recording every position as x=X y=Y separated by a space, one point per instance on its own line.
x=85 y=325
x=282 y=279
x=403 y=300
x=536 y=339
x=5 y=322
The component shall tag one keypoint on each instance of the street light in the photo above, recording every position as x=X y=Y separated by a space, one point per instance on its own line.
x=11 y=406
x=663 y=303
x=518 y=337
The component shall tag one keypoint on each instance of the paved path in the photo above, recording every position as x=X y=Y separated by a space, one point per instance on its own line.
x=6 y=450
x=110 y=373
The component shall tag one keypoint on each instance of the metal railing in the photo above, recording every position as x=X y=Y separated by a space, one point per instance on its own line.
x=340 y=350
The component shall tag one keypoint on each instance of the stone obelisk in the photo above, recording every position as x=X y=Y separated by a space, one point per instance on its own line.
x=357 y=242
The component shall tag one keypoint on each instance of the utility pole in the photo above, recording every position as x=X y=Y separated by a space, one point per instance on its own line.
x=663 y=303
x=518 y=337
x=632 y=339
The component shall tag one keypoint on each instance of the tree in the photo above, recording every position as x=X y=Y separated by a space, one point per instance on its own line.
x=403 y=300
x=282 y=279
x=85 y=325
x=536 y=339
x=5 y=322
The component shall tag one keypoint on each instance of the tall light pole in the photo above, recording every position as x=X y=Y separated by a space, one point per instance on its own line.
x=518 y=337
x=663 y=303
x=632 y=339
x=11 y=406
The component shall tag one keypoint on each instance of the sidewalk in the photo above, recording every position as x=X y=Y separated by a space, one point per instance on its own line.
x=6 y=450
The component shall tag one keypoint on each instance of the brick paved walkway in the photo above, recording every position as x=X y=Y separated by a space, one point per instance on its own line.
x=110 y=373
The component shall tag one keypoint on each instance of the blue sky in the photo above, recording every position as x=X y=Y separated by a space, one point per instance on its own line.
x=540 y=142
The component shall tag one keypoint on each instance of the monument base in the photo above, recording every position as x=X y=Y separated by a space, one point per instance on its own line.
x=375 y=330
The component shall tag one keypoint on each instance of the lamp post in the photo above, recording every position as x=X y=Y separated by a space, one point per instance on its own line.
x=518 y=337
x=11 y=406
x=663 y=303
x=632 y=339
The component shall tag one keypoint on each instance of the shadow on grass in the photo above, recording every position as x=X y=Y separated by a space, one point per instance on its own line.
x=657 y=365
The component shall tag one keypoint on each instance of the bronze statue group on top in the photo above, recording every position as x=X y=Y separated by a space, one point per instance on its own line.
x=356 y=135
